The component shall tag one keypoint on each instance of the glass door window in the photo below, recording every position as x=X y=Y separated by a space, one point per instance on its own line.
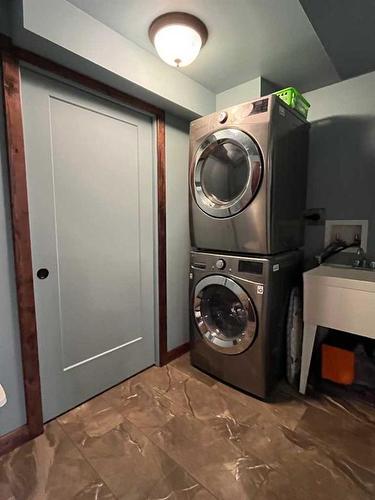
x=224 y=314
x=227 y=173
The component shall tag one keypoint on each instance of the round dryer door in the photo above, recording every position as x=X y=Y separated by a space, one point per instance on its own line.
x=224 y=314
x=227 y=173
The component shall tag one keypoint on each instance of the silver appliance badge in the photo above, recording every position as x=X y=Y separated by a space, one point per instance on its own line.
x=260 y=289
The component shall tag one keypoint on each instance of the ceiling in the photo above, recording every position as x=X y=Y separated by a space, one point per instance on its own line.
x=285 y=41
x=346 y=29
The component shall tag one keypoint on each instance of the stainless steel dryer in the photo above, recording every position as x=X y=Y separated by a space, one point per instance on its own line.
x=248 y=178
x=238 y=317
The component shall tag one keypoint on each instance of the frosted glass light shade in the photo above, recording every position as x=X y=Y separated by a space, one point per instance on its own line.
x=177 y=45
x=178 y=37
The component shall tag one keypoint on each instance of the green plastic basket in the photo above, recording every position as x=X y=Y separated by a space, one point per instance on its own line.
x=294 y=99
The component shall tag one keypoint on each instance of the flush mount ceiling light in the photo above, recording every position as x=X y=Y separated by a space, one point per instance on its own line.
x=178 y=37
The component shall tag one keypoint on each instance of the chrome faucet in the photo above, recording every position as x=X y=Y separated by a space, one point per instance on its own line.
x=360 y=258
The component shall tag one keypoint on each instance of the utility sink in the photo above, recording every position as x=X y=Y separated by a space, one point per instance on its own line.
x=338 y=297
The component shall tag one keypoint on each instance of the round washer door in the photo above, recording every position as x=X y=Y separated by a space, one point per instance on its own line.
x=224 y=314
x=227 y=173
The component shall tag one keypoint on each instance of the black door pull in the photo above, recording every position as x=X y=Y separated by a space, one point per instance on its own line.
x=42 y=273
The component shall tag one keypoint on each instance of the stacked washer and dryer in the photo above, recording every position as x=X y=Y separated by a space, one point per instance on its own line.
x=247 y=198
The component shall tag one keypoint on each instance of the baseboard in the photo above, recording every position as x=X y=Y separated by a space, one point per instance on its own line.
x=13 y=439
x=177 y=352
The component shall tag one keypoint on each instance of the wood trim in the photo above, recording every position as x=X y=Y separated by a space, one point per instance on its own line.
x=162 y=241
x=86 y=81
x=13 y=439
x=11 y=57
x=178 y=351
x=21 y=243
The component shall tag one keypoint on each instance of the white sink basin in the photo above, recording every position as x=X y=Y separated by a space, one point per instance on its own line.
x=358 y=278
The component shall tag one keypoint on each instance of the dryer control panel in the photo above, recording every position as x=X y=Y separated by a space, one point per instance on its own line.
x=260 y=106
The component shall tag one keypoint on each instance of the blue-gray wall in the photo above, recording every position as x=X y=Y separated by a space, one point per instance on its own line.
x=246 y=91
x=178 y=239
x=4 y=18
x=341 y=175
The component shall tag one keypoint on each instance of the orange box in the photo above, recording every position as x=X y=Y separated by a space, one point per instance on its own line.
x=337 y=364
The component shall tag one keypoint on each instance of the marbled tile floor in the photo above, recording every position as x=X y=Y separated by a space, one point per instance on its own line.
x=174 y=433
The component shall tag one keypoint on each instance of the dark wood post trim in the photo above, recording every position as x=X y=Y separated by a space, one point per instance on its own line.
x=162 y=239
x=21 y=242
x=13 y=439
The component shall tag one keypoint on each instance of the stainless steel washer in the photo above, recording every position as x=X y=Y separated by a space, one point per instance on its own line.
x=238 y=316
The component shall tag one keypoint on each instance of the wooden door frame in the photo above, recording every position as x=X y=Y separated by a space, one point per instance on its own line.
x=11 y=57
